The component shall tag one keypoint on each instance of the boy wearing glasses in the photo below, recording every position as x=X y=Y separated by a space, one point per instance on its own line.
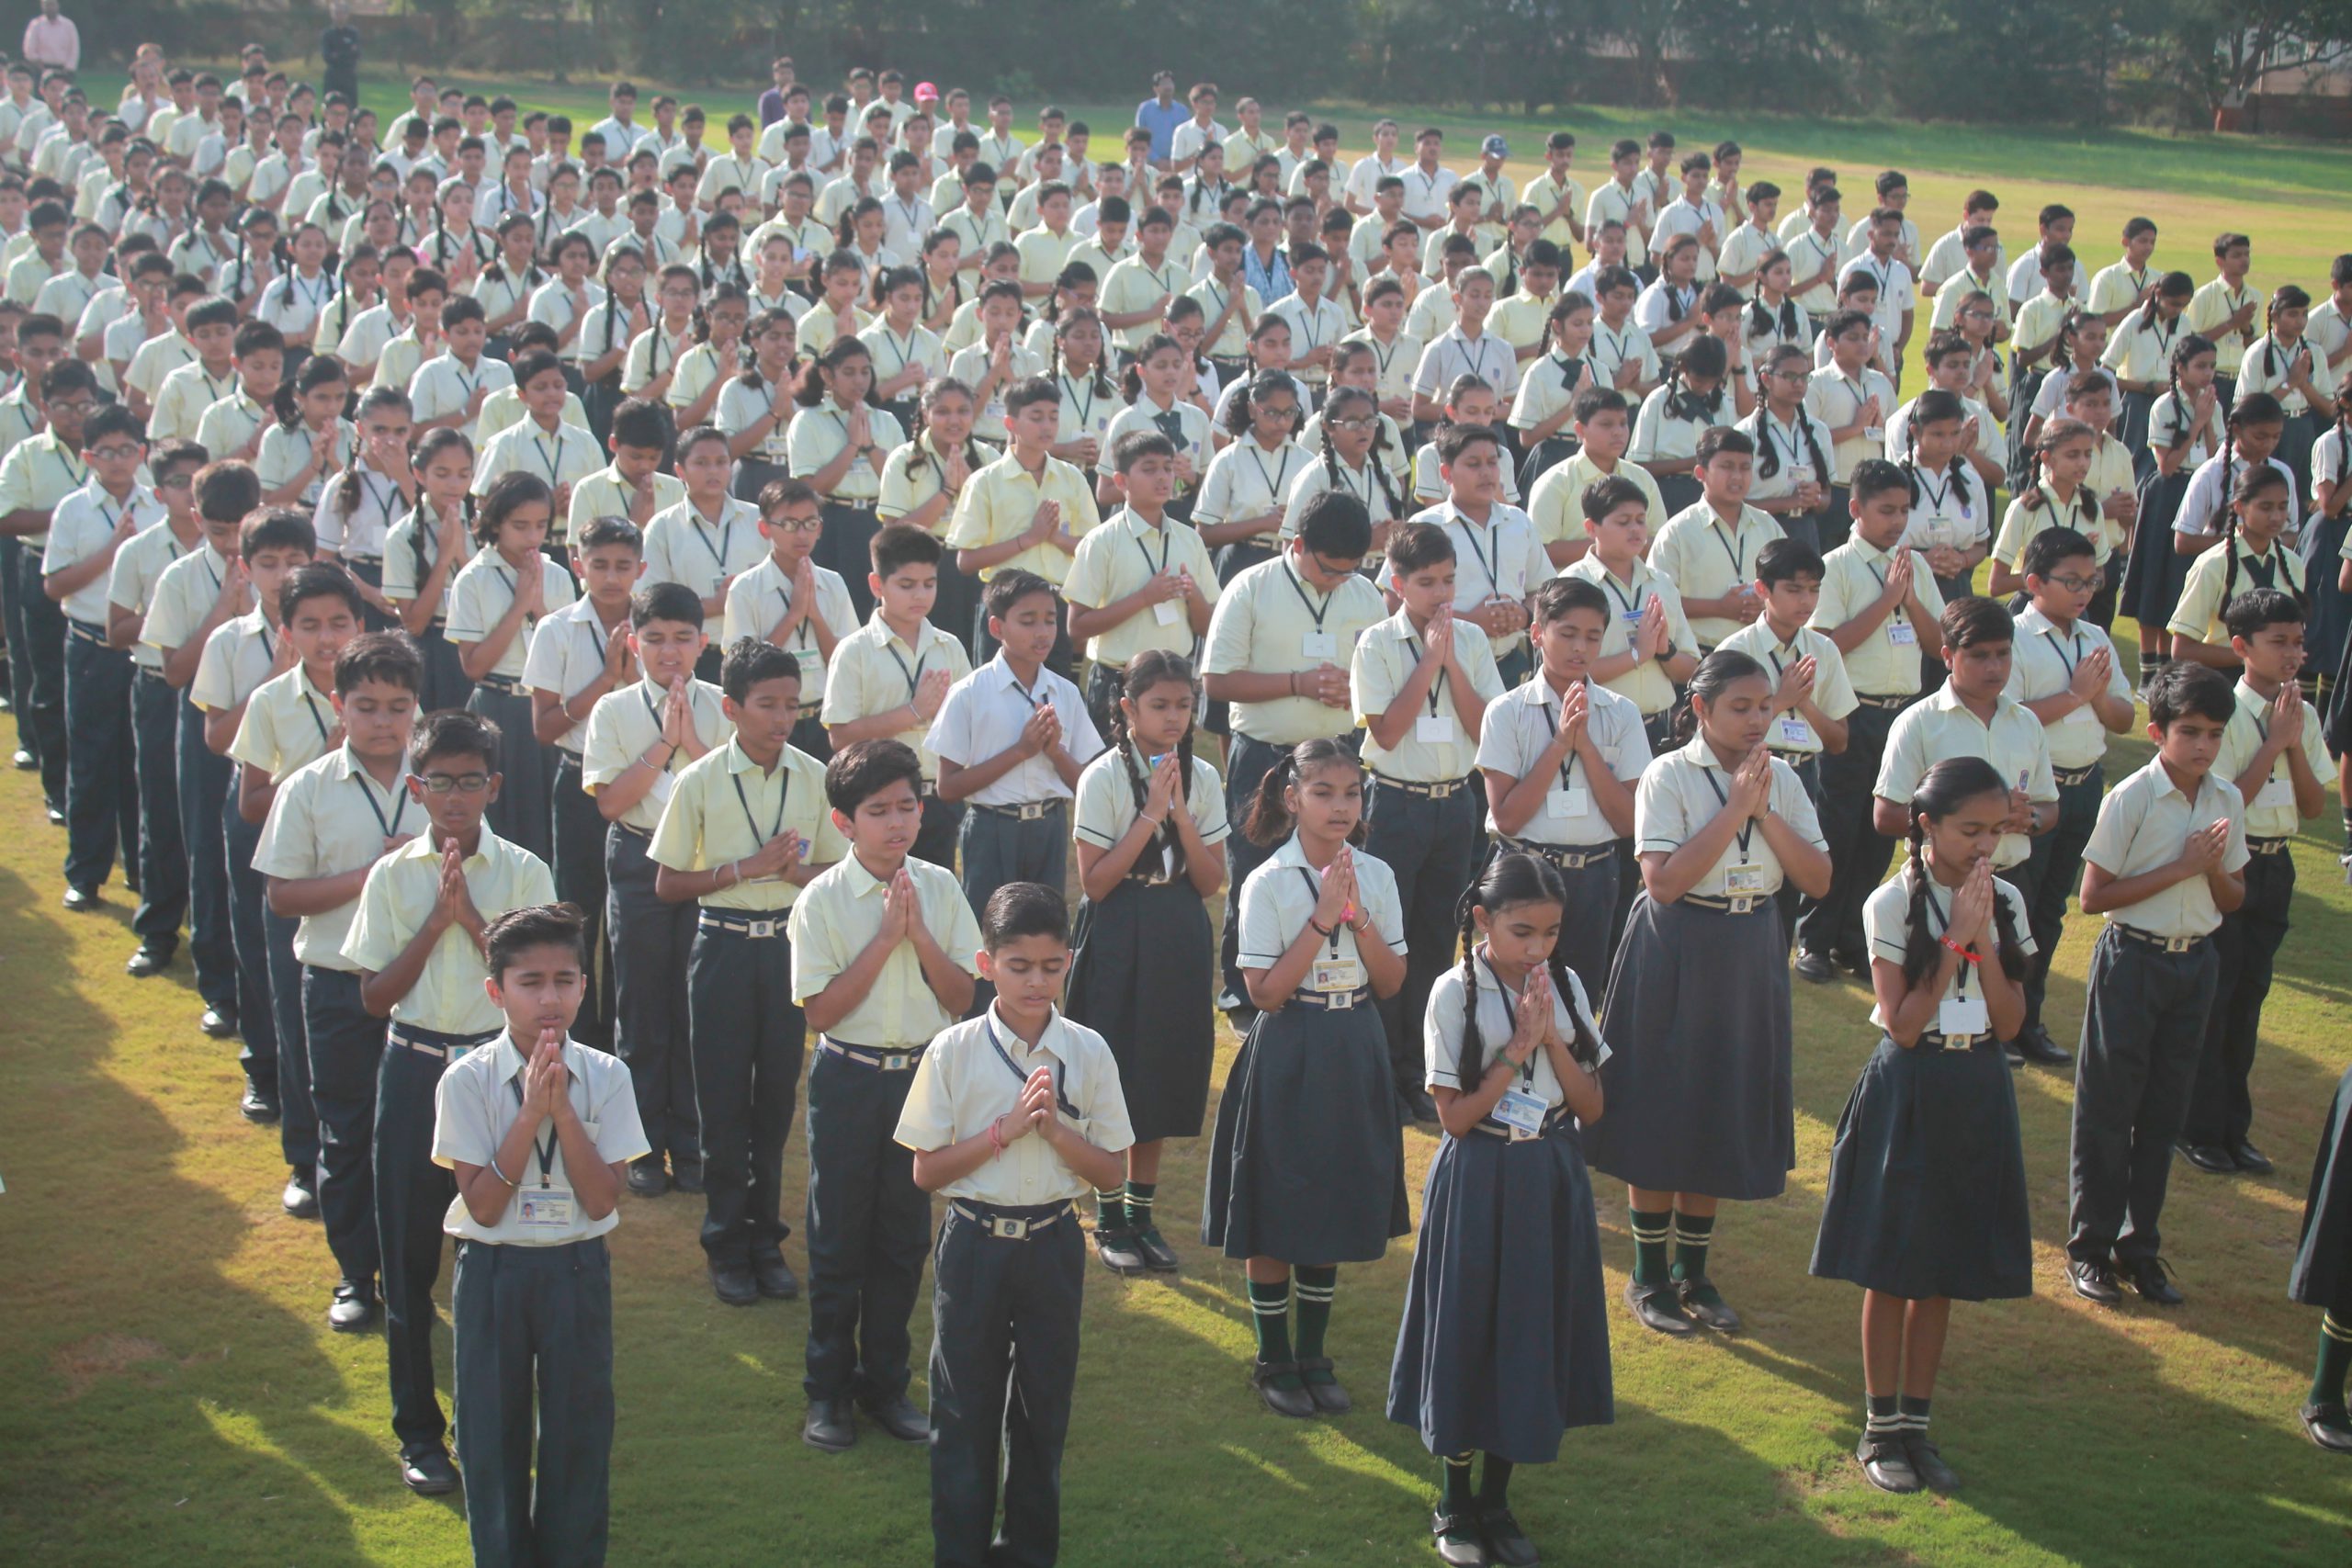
x=418 y=943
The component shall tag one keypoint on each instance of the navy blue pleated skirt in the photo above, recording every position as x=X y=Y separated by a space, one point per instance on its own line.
x=2157 y=572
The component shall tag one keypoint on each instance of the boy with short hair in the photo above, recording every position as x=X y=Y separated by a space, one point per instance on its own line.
x=1015 y=1116
x=629 y=761
x=419 y=943
x=233 y=425
x=2275 y=755
x=742 y=832
x=2224 y=310
x=1025 y=512
x=329 y=823
x=450 y=389
x=2165 y=863
x=1710 y=547
x=789 y=601
x=1506 y=556
x=537 y=1129
x=1604 y=427
x=883 y=955
x=889 y=676
x=1140 y=580
x=40 y=471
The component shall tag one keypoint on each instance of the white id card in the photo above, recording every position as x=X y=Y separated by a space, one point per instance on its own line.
x=1434 y=729
x=1899 y=633
x=1747 y=879
x=1566 y=802
x=2275 y=793
x=1962 y=1015
x=1168 y=612
x=1794 y=731
x=1800 y=475
x=1318 y=645
x=543 y=1208
x=1335 y=975
x=1521 y=1112
x=1875 y=435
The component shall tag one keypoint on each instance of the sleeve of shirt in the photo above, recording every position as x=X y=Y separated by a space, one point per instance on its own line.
x=1387 y=909
x=1660 y=822
x=1372 y=679
x=1103 y=1121
x=2237 y=854
x=620 y=1132
x=256 y=743
x=1426 y=373
x=372 y=942
x=469 y=618
x=1226 y=649
x=816 y=948
x=1903 y=762
x=677 y=837
x=2118 y=819
x=462 y=1129
x=211 y=688
x=1886 y=920
x=601 y=758
x=1794 y=806
x=1499 y=746
x=2041 y=783
x=1262 y=939
x=1442 y=1033
x=927 y=1121
x=1080 y=738
x=952 y=727
x=289 y=843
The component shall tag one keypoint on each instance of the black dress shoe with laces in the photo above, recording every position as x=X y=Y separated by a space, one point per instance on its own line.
x=255 y=1106
x=300 y=1198
x=899 y=1418
x=1705 y=1304
x=1886 y=1463
x=1157 y=1256
x=2095 y=1283
x=2210 y=1158
x=685 y=1175
x=1323 y=1386
x=1506 y=1543
x=146 y=962
x=83 y=900
x=775 y=1278
x=830 y=1425
x=732 y=1283
x=428 y=1472
x=2251 y=1160
x=1656 y=1307
x=2151 y=1277
x=1928 y=1463
x=353 y=1310
x=1816 y=968
x=2035 y=1045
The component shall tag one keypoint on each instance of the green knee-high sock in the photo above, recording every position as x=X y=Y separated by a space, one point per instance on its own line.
x=1651 y=1228
x=1110 y=1209
x=1691 y=1234
x=1458 y=1496
x=1494 y=1482
x=1317 y=1285
x=1270 y=1312
x=1139 y=1204
x=2334 y=1359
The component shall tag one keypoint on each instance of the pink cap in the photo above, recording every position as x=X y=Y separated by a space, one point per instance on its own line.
x=926 y=90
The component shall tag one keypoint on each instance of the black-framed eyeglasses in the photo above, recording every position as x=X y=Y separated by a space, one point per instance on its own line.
x=464 y=783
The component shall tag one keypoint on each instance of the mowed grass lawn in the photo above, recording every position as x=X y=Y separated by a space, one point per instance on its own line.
x=174 y=1397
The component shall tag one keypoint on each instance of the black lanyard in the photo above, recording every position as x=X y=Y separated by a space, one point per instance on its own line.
x=513 y=590
x=1280 y=475
x=1632 y=607
x=1437 y=687
x=2052 y=638
x=655 y=713
x=1747 y=829
x=1166 y=543
x=546 y=1152
x=914 y=676
x=1568 y=762
x=311 y=704
x=1959 y=978
x=782 y=790
x=1061 y=1101
x=1300 y=589
x=726 y=533
x=803 y=635
x=1490 y=565
x=392 y=827
x=1734 y=551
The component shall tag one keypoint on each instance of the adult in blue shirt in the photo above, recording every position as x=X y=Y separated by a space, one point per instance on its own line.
x=1161 y=114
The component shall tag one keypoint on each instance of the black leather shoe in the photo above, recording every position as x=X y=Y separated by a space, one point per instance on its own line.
x=1816 y=968
x=2251 y=1160
x=217 y=1024
x=733 y=1284
x=1118 y=1251
x=257 y=1106
x=1655 y=1306
x=26 y=762
x=147 y=961
x=1293 y=1402
x=1854 y=964
x=1928 y=1464
x=2095 y=1283
x=428 y=1473
x=687 y=1175
x=1706 y=1305
x=2329 y=1426
x=1886 y=1463
x=2210 y=1158
x=830 y=1425
x=56 y=815
x=299 y=1199
x=2035 y=1045
x=900 y=1418
x=353 y=1310
x=775 y=1278
x=1420 y=1106
x=647 y=1178
x=83 y=901
x=1157 y=1256
x=1330 y=1398
x=1506 y=1543
x=1456 y=1536
x=2151 y=1278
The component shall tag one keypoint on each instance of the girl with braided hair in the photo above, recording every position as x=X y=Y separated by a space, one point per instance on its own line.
x=1347 y=459
x=1795 y=452
x=1544 y=406
x=2140 y=353
x=2053 y=496
x=1951 y=514
x=1504 y=1344
x=2280 y=362
x=2184 y=429
x=425 y=550
x=1695 y=399
x=1949 y=950
x=2253 y=554
x=1088 y=397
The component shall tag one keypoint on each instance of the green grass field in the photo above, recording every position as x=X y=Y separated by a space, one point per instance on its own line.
x=175 y=1396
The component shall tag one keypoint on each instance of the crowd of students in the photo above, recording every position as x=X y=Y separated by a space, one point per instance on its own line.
x=1537 y=616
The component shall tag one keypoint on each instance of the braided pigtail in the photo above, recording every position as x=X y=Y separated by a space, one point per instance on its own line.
x=1470 y=1064
x=2229 y=561
x=2270 y=337
x=2034 y=495
x=1910 y=465
x=2004 y=931
x=1919 y=943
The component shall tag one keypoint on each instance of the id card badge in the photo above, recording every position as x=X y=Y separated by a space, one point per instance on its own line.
x=1319 y=645
x=1794 y=732
x=1875 y=435
x=1434 y=729
x=543 y=1208
x=1962 y=1015
x=1168 y=612
x=1335 y=975
x=1747 y=879
x=1522 y=1114
x=1569 y=803
x=1899 y=633
x=2280 y=793
x=1800 y=475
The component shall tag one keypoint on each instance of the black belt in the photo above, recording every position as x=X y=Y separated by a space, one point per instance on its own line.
x=1445 y=791
x=1729 y=904
x=768 y=923
x=86 y=631
x=145 y=673
x=2069 y=778
x=1012 y=1222
x=1883 y=699
x=1024 y=811
x=646 y=833
x=1561 y=855
x=507 y=684
x=1332 y=1002
x=2150 y=939
x=2267 y=846
x=1793 y=759
x=865 y=1057
x=433 y=1043
x=376 y=561
x=844 y=502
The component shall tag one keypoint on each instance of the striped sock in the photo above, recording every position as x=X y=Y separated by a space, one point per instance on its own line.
x=1270 y=1312
x=1139 y=1204
x=1316 y=1286
x=1884 y=1421
x=1110 y=1209
x=1691 y=1234
x=1458 y=1495
x=1650 y=1228
x=2335 y=1358
x=1911 y=1414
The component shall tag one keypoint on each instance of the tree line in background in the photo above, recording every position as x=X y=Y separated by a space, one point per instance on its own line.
x=2007 y=62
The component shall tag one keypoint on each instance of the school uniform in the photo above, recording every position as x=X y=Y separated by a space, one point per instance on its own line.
x=997 y=504
x=564 y=456
x=1270 y=620
x=1306 y=1162
x=1700 y=1096
x=1646 y=684
x=1009 y=1276
x=2319 y=1277
x=1116 y=560
x=2140 y=350
x=1547 y=384
x=744 y=1028
x=38 y=473
x=1834 y=399
x=2152 y=978
x=1706 y=560
x=1940 y=726
x=814 y=438
x=1451 y=353
x=101 y=780
x=531 y=1311
x=1611 y=199
x=2198 y=614
x=1230 y=350
x=437 y=1023
x=355 y=535
x=868 y=1224
x=1884 y=672
x=874 y=671
x=154 y=709
x=441 y=386
x=411 y=550
x=2328 y=632
x=1953 y=291
x=606 y=493
x=2214 y=302
x=1016 y=830
x=1926 y=1194
x=478 y=597
x=740 y=405
x=757 y=601
x=1504 y=1341
x=2155 y=572
x=184 y=594
x=2246 y=944
x=330 y=817
x=652 y=940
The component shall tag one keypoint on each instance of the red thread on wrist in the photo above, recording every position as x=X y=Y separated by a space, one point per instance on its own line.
x=1966 y=956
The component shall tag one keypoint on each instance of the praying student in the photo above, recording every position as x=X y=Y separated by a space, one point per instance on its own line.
x=417 y=942
x=1604 y=429
x=1024 y=512
x=41 y=470
x=1015 y=1116
x=496 y=605
x=839 y=443
x=1504 y=1344
x=1500 y=556
x=423 y=551
x=789 y=601
x=1709 y=549
x=1948 y=959
x=1701 y=1105
x=633 y=485
x=889 y=676
x=1125 y=597
x=743 y=830
x=535 y=1129
x=885 y=950
x=629 y=762
x=2253 y=554
x=330 y=821
x=710 y=538
x=2165 y=863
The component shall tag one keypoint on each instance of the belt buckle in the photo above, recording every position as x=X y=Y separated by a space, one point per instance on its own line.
x=1033 y=811
x=892 y=1061
x=1521 y=1135
x=1338 y=1001
x=760 y=927
x=2178 y=944
x=1008 y=1230
x=1740 y=903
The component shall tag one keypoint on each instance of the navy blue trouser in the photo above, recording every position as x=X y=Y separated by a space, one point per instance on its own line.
x=204 y=779
x=1434 y=849
x=652 y=941
x=412 y=1198
x=748 y=1038
x=868 y=1228
x=346 y=1050
x=101 y=778
x=2220 y=1104
x=42 y=652
x=163 y=852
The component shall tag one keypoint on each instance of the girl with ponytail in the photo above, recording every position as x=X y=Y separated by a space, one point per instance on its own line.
x=423 y=552
x=1544 y=410
x=2184 y=429
x=2281 y=364
x=309 y=440
x=1693 y=401
x=2140 y=353
x=1347 y=459
x=355 y=516
x=2253 y=554
x=1948 y=953
x=1507 y=1273
x=1152 y=386
x=1150 y=828
x=2053 y=497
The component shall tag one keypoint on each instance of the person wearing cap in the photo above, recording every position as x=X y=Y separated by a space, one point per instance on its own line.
x=1501 y=191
